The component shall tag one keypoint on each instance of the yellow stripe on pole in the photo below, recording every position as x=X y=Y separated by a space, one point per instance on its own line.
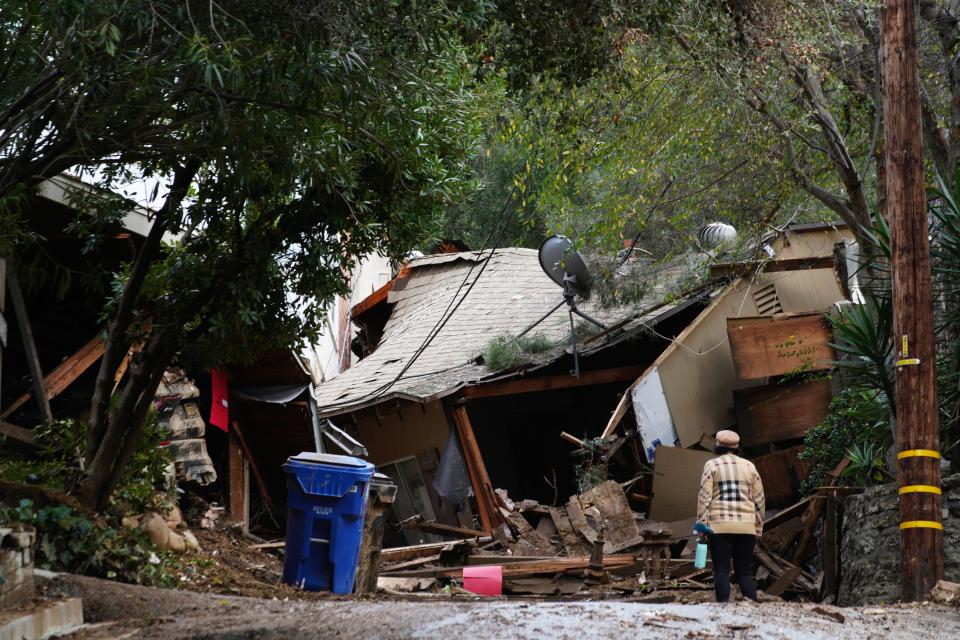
x=922 y=453
x=921 y=524
x=920 y=488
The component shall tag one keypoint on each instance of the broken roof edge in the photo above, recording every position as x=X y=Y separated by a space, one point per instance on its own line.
x=531 y=369
x=386 y=397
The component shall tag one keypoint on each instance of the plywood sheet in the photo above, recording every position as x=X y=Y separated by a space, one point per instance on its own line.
x=653 y=415
x=775 y=345
x=676 y=482
x=777 y=412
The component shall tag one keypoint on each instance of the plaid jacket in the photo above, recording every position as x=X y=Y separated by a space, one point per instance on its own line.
x=731 y=496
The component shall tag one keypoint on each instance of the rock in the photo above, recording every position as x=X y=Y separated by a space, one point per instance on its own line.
x=162 y=536
x=130 y=522
x=174 y=517
x=191 y=540
x=211 y=517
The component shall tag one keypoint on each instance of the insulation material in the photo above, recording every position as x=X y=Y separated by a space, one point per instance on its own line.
x=653 y=415
x=180 y=415
x=452 y=481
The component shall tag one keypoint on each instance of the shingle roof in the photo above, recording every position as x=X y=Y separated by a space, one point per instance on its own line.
x=510 y=293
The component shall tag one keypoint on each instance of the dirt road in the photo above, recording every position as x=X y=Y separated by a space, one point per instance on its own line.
x=139 y=612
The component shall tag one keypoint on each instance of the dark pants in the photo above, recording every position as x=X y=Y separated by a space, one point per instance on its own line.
x=739 y=547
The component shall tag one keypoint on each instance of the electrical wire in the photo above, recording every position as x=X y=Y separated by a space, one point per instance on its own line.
x=455 y=301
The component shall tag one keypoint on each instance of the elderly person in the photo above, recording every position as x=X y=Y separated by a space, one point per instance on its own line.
x=731 y=506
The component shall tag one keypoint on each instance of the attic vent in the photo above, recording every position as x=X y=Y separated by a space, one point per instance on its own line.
x=768 y=303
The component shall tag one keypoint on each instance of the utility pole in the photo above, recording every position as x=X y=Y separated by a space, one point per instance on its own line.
x=921 y=530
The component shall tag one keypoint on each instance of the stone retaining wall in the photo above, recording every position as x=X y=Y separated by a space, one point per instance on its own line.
x=16 y=564
x=870 y=546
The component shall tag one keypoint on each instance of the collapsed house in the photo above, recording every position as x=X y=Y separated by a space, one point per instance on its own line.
x=664 y=376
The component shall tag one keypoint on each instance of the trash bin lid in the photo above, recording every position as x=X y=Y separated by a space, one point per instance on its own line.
x=330 y=458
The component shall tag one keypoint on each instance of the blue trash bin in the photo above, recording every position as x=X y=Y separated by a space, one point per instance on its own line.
x=326 y=502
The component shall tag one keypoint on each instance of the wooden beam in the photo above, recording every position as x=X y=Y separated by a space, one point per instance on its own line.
x=253 y=465
x=29 y=347
x=552 y=382
x=736 y=269
x=65 y=373
x=3 y=320
x=17 y=433
x=482 y=489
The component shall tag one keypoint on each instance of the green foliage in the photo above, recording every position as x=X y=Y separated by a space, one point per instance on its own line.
x=866 y=464
x=857 y=422
x=506 y=352
x=863 y=333
x=56 y=464
x=67 y=541
x=592 y=471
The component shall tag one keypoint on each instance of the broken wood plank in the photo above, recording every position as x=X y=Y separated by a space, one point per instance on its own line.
x=29 y=347
x=569 y=539
x=482 y=489
x=528 y=568
x=579 y=521
x=831 y=551
x=409 y=564
x=767 y=346
x=572 y=439
x=64 y=374
x=783 y=581
x=400 y=554
x=441 y=529
x=524 y=531
x=812 y=514
x=619 y=523
x=17 y=433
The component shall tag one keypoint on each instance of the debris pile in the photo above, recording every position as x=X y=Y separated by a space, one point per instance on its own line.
x=594 y=545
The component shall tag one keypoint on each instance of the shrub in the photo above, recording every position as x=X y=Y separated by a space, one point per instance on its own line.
x=857 y=422
x=68 y=541
x=506 y=352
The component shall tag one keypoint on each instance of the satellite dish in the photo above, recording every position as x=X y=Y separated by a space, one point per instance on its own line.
x=564 y=265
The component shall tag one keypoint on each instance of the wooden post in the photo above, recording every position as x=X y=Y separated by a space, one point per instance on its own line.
x=921 y=537
x=486 y=502
x=3 y=320
x=29 y=347
x=238 y=479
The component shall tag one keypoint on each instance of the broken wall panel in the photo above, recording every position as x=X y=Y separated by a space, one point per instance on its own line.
x=696 y=370
x=777 y=412
x=806 y=290
x=781 y=473
x=653 y=414
x=770 y=346
x=676 y=482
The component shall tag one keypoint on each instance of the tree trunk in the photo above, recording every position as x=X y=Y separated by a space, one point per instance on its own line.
x=114 y=433
x=117 y=338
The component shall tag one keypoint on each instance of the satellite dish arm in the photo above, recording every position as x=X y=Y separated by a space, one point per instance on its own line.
x=544 y=317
